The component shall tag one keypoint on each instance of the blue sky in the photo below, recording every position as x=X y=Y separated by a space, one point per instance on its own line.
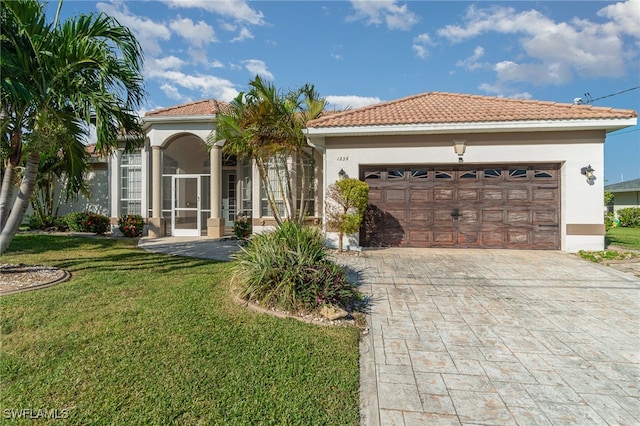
x=362 y=52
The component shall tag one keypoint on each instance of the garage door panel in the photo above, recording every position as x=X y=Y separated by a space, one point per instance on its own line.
x=468 y=217
x=517 y=194
x=545 y=216
x=544 y=194
x=518 y=237
x=375 y=195
x=492 y=194
x=503 y=206
x=418 y=195
x=419 y=237
x=423 y=215
x=440 y=215
x=468 y=238
x=493 y=238
x=397 y=215
x=443 y=194
x=468 y=194
x=518 y=217
x=395 y=194
x=545 y=239
x=444 y=237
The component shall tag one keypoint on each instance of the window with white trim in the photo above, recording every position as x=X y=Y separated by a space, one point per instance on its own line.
x=131 y=183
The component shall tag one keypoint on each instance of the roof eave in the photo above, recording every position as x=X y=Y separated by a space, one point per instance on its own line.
x=147 y=121
x=609 y=125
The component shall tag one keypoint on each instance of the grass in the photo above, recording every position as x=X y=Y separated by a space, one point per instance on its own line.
x=141 y=338
x=628 y=238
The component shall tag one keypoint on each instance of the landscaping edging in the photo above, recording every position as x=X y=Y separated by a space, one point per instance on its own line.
x=66 y=275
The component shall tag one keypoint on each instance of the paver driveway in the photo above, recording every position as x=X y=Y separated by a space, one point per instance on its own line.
x=498 y=337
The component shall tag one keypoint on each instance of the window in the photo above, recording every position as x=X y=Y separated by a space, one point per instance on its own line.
x=419 y=174
x=471 y=174
x=303 y=179
x=395 y=174
x=131 y=183
x=492 y=173
x=370 y=175
x=541 y=174
x=440 y=174
x=517 y=173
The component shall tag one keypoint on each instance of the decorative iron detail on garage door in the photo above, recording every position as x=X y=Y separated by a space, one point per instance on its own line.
x=498 y=206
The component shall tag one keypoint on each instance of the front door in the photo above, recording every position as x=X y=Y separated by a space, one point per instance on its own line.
x=185 y=215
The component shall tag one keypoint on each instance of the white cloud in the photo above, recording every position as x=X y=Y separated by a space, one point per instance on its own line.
x=256 y=66
x=556 y=51
x=216 y=64
x=204 y=85
x=420 y=44
x=471 y=63
x=394 y=16
x=244 y=34
x=625 y=16
x=198 y=56
x=172 y=92
x=236 y=9
x=504 y=92
x=146 y=31
x=343 y=102
x=197 y=34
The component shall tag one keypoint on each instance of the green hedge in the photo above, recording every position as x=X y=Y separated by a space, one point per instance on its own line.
x=629 y=217
x=87 y=222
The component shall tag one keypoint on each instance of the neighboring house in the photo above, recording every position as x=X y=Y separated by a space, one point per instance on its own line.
x=445 y=170
x=626 y=194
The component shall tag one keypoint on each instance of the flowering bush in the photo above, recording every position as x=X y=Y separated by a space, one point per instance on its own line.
x=87 y=222
x=242 y=227
x=131 y=225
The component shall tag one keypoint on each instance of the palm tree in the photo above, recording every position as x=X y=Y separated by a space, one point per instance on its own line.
x=266 y=127
x=86 y=69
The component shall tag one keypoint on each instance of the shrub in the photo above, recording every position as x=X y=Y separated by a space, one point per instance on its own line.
x=629 y=217
x=609 y=220
x=242 y=227
x=131 y=225
x=35 y=223
x=87 y=222
x=288 y=269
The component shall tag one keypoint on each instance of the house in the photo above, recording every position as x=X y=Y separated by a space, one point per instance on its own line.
x=445 y=170
x=626 y=194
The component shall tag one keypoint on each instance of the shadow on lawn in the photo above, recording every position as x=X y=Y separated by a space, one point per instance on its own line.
x=78 y=253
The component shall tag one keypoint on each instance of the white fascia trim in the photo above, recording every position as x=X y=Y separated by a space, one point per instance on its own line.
x=609 y=125
x=147 y=121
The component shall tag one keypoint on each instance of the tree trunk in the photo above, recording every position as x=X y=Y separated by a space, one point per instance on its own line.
x=6 y=193
x=22 y=202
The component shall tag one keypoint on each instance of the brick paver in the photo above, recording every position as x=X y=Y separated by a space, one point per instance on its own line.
x=497 y=337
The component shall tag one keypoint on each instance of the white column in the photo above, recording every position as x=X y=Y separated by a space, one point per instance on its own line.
x=215 y=224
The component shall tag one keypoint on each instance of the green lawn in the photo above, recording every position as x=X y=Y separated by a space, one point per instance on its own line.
x=628 y=238
x=141 y=338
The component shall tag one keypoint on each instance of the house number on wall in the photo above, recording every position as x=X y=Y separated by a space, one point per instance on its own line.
x=343 y=158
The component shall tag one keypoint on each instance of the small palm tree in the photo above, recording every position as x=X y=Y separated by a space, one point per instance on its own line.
x=86 y=69
x=264 y=126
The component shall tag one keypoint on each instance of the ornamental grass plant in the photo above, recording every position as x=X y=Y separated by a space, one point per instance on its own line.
x=289 y=269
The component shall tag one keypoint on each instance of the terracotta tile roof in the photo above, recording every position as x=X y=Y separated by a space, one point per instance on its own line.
x=439 y=107
x=204 y=107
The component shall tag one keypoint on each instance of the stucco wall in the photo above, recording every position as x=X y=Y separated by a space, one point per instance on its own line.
x=581 y=203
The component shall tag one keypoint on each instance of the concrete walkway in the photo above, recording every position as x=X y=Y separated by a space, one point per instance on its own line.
x=487 y=337
x=497 y=337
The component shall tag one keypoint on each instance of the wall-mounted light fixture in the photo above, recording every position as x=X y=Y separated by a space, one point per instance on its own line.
x=459 y=148
x=588 y=173
x=342 y=174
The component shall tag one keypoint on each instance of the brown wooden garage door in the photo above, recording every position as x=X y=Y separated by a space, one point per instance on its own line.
x=502 y=206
